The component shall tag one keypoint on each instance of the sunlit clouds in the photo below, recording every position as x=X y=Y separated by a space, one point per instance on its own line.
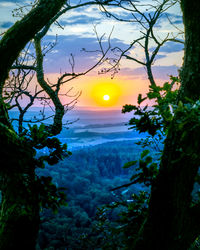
x=77 y=36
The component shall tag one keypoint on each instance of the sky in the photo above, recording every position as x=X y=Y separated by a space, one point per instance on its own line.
x=77 y=37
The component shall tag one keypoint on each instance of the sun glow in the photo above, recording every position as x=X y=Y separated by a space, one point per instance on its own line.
x=105 y=93
x=106 y=97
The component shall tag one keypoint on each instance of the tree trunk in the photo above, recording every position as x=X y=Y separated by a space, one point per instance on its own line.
x=170 y=224
x=19 y=217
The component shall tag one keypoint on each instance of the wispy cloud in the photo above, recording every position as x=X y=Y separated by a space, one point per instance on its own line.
x=72 y=44
x=170 y=47
x=159 y=72
x=81 y=19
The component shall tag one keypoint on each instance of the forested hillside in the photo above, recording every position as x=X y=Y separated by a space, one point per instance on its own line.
x=88 y=177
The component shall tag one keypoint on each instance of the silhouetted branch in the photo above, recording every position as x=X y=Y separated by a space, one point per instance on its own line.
x=148 y=19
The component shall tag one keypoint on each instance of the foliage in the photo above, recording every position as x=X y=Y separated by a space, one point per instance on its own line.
x=147 y=170
x=155 y=121
x=88 y=177
x=50 y=196
x=157 y=118
x=121 y=233
x=118 y=222
x=39 y=138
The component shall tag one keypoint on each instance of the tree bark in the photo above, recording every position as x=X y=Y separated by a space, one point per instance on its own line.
x=19 y=216
x=171 y=224
x=59 y=108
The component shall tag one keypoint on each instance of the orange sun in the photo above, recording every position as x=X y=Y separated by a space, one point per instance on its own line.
x=105 y=93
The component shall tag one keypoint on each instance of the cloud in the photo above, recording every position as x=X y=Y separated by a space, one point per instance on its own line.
x=172 y=47
x=159 y=72
x=169 y=47
x=174 y=18
x=13 y=1
x=81 y=19
x=178 y=21
x=6 y=25
x=59 y=57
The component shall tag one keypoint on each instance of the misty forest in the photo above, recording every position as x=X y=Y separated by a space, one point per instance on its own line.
x=100 y=175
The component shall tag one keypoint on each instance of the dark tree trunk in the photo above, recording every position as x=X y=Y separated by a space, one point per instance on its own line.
x=19 y=215
x=171 y=225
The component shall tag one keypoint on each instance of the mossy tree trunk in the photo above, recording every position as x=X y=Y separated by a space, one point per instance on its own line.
x=172 y=223
x=19 y=215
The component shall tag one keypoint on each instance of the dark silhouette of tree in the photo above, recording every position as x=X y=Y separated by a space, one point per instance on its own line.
x=171 y=221
x=20 y=200
x=23 y=192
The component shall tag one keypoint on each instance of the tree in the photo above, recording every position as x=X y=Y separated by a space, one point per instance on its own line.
x=172 y=220
x=23 y=193
x=20 y=204
x=172 y=217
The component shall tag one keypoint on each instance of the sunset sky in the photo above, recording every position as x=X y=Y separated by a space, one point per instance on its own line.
x=78 y=33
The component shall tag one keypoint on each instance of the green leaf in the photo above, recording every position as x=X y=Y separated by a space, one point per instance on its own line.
x=133 y=177
x=167 y=86
x=152 y=95
x=128 y=108
x=148 y=159
x=140 y=99
x=144 y=153
x=153 y=168
x=129 y=164
x=180 y=104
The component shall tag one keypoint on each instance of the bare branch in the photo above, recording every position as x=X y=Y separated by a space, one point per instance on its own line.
x=20 y=66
